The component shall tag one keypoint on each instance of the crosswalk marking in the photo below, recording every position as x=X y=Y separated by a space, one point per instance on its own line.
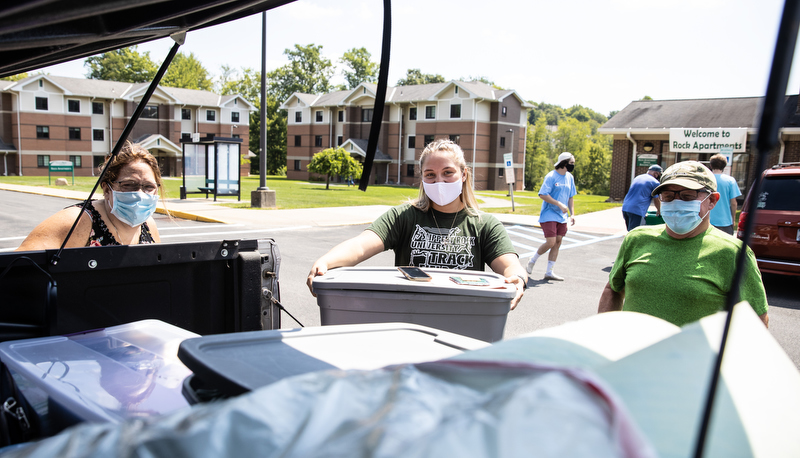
x=522 y=235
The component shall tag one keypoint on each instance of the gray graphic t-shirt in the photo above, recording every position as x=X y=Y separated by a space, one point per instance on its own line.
x=443 y=240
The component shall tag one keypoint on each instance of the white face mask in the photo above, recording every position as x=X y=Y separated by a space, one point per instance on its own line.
x=442 y=193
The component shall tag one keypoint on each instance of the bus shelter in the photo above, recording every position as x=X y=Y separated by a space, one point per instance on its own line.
x=211 y=165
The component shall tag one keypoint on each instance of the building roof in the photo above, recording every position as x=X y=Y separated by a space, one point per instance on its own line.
x=81 y=87
x=407 y=94
x=361 y=150
x=92 y=88
x=741 y=112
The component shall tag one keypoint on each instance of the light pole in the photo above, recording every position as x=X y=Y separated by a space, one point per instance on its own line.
x=510 y=179
x=234 y=126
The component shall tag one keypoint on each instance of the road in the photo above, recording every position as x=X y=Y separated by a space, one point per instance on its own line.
x=585 y=261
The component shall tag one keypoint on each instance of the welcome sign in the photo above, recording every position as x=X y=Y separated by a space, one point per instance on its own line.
x=703 y=140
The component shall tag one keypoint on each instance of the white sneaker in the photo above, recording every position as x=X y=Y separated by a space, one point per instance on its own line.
x=529 y=267
x=553 y=276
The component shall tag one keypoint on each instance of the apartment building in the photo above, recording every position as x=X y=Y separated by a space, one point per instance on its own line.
x=45 y=118
x=486 y=122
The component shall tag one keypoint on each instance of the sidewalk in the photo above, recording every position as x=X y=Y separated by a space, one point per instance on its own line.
x=606 y=222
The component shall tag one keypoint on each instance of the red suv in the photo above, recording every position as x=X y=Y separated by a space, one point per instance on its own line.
x=776 y=234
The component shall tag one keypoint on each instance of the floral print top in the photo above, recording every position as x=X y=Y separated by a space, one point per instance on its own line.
x=101 y=236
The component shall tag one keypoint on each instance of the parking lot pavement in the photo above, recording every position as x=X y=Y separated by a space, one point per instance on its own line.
x=526 y=239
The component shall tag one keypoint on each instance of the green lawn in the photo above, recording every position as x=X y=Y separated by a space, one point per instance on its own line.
x=304 y=194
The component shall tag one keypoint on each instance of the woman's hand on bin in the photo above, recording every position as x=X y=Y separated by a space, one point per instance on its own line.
x=316 y=270
x=508 y=266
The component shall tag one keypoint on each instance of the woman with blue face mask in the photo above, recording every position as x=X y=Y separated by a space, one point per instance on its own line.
x=123 y=217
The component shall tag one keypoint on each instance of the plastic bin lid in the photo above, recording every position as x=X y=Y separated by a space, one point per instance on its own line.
x=241 y=362
x=390 y=279
x=130 y=370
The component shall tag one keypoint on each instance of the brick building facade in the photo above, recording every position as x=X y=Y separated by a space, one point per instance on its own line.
x=486 y=122
x=46 y=118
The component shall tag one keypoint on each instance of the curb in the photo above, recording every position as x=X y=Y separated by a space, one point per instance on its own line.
x=189 y=216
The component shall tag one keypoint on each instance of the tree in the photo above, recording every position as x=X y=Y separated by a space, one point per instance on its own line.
x=248 y=85
x=307 y=72
x=334 y=161
x=124 y=65
x=553 y=113
x=362 y=69
x=187 y=72
x=539 y=153
x=17 y=77
x=647 y=97
x=415 y=76
x=483 y=80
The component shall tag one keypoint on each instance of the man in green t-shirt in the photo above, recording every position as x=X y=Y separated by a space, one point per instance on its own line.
x=683 y=270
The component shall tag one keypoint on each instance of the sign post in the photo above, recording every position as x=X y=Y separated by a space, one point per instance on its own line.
x=509 y=160
x=646 y=160
x=728 y=153
x=61 y=166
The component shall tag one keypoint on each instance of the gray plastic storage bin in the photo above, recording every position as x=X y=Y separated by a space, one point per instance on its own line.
x=351 y=295
x=108 y=375
x=227 y=365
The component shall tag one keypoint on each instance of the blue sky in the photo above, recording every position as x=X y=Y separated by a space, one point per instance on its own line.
x=601 y=54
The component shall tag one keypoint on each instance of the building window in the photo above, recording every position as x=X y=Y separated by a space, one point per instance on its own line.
x=42 y=160
x=409 y=170
x=74 y=106
x=428 y=139
x=456 y=139
x=339 y=140
x=430 y=112
x=42 y=132
x=185 y=136
x=234 y=116
x=297 y=140
x=150 y=112
x=41 y=83
x=41 y=103
x=504 y=111
x=412 y=141
x=297 y=164
x=319 y=115
x=98 y=135
x=237 y=136
x=74 y=133
x=318 y=140
x=211 y=115
x=412 y=113
x=455 y=110
x=97 y=108
x=366 y=114
x=298 y=116
x=500 y=171
x=76 y=161
x=502 y=142
x=186 y=113
x=341 y=115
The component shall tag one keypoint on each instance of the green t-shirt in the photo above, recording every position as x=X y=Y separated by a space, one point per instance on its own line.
x=684 y=280
x=435 y=239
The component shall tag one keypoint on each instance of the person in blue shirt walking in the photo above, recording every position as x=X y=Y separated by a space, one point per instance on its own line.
x=722 y=215
x=638 y=198
x=557 y=191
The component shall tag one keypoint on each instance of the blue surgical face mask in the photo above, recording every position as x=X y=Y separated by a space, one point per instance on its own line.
x=133 y=208
x=682 y=217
